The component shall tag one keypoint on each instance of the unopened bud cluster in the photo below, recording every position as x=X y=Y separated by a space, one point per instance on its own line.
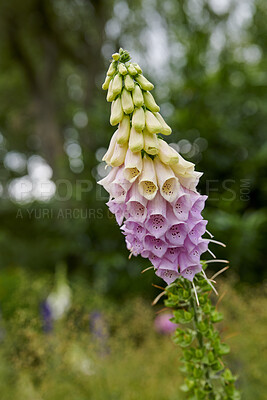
x=152 y=188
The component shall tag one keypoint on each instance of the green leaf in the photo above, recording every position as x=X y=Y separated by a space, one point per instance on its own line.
x=224 y=349
x=200 y=394
x=188 y=385
x=184 y=337
x=182 y=316
x=207 y=308
x=188 y=354
x=211 y=356
x=203 y=326
x=217 y=366
x=197 y=372
x=216 y=316
x=228 y=376
x=199 y=353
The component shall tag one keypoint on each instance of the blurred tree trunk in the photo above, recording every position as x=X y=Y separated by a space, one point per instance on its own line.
x=46 y=34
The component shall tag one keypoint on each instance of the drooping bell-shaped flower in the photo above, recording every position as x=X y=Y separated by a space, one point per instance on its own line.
x=133 y=165
x=168 y=183
x=148 y=180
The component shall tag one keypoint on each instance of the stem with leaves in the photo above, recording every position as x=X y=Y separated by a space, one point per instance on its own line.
x=207 y=377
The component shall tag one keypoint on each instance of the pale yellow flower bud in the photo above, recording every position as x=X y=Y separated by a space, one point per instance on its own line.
x=111 y=69
x=150 y=102
x=107 y=156
x=187 y=165
x=183 y=166
x=136 y=141
x=119 y=155
x=129 y=83
x=127 y=102
x=147 y=184
x=117 y=84
x=132 y=165
x=190 y=180
x=106 y=82
x=116 y=112
x=138 y=68
x=168 y=183
x=138 y=120
x=151 y=145
x=138 y=98
x=124 y=130
x=167 y=154
x=184 y=170
x=116 y=56
x=144 y=83
x=166 y=129
x=110 y=95
x=152 y=124
x=122 y=69
x=132 y=70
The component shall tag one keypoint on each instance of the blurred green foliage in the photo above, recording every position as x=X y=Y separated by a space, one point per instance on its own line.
x=207 y=60
x=129 y=361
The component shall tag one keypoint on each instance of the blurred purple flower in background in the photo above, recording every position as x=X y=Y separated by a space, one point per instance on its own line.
x=163 y=325
x=99 y=329
x=46 y=316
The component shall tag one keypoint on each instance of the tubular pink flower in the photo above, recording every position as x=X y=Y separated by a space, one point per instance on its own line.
x=157 y=223
x=136 y=205
x=147 y=183
x=176 y=234
x=108 y=180
x=167 y=275
x=120 y=186
x=168 y=183
x=133 y=165
x=109 y=153
x=157 y=246
x=182 y=207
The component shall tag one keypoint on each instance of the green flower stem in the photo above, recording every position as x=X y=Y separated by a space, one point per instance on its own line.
x=196 y=321
x=207 y=377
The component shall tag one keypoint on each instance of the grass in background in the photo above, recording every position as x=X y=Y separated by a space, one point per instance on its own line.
x=123 y=358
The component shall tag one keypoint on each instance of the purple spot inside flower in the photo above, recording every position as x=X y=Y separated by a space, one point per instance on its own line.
x=156 y=246
x=168 y=276
x=134 y=245
x=157 y=225
x=198 y=207
x=172 y=254
x=118 y=209
x=181 y=207
x=191 y=271
x=176 y=234
x=197 y=231
x=137 y=210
